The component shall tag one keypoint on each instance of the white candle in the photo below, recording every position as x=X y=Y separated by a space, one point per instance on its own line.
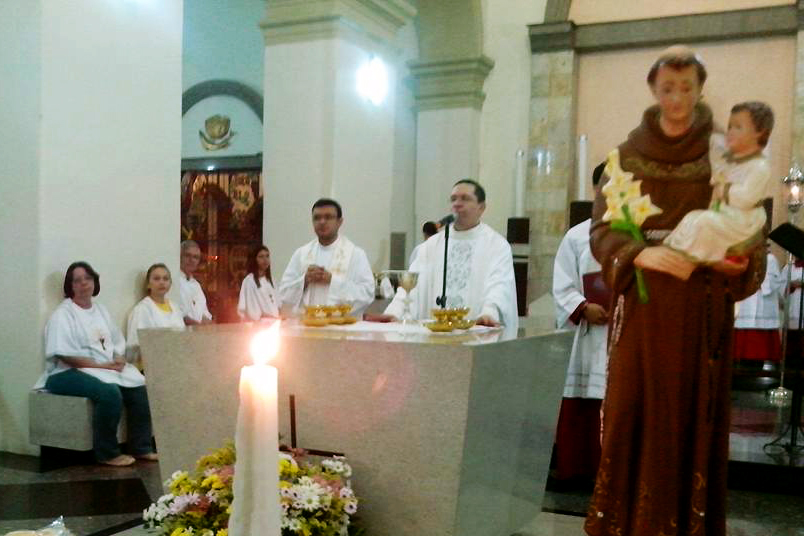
x=582 y=159
x=519 y=184
x=255 y=507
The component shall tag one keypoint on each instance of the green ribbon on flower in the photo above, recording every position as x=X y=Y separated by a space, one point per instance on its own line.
x=628 y=225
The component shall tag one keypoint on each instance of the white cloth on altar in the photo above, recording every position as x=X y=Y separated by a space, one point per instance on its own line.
x=147 y=314
x=352 y=279
x=192 y=301
x=73 y=331
x=256 y=302
x=707 y=235
x=586 y=373
x=761 y=310
x=794 y=303
x=480 y=275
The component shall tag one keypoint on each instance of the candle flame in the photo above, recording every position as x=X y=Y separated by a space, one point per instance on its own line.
x=265 y=344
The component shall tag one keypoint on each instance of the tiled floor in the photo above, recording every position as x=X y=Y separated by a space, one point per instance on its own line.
x=102 y=508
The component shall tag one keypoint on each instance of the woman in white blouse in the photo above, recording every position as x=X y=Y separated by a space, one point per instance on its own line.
x=155 y=310
x=84 y=357
x=257 y=296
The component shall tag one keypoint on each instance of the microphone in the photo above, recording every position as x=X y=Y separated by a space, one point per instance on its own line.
x=446 y=220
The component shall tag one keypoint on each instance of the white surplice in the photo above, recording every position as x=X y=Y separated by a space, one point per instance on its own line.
x=586 y=373
x=352 y=279
x=192 y=301
x=147 y=314
x=761 y=310
x=256 y=302
x=73 y=331
x=480 y=275
x=794 y=304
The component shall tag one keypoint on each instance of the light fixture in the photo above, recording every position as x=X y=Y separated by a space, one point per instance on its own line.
x=794 y=187
x=372 y=81
x=210 y=168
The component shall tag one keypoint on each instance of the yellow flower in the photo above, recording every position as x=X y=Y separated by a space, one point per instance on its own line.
x=222 y=532
x=613 y=170
x=641 y=209
x=614 y=210
x=212 y=481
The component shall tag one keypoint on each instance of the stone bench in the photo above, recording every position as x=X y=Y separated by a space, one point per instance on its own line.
x=63 y=422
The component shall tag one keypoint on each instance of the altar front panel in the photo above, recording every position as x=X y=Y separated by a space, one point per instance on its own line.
x=443 y=437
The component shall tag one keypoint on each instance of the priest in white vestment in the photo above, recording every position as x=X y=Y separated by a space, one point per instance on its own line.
x=480 y=268
x=192 y=301
x=328 y=270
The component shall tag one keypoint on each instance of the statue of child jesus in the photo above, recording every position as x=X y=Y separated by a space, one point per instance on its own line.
x=741 y=179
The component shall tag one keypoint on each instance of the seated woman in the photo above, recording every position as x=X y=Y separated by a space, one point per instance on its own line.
x=84 y=357
x=155 y=310
x=257 y=296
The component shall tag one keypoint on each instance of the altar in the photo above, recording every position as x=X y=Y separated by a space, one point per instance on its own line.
x=447 y=434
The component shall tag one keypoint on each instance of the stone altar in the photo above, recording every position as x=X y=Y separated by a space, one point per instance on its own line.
x=447 y=434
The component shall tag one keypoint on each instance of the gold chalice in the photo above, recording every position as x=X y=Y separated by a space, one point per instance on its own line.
x=406 y=280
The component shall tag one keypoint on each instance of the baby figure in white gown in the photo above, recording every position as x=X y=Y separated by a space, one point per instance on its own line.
x=741 y=179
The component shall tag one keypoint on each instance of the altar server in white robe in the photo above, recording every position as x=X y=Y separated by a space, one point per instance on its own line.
x=328 y=270
x=480 y=268
x=257 y=297
x=84 y=357
x=757 y=319
x=795 y=341
x=154 y=311
x=578 y=431
x=192 y=301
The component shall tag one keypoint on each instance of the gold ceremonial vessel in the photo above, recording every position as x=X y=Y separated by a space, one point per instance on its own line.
x=449 y=319
x=324 y=315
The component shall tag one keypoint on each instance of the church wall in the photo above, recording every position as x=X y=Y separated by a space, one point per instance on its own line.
x=444 y=150
x=607 y=112
x=297 y=162
x=403 y=179
x=363 y=151
x=223 y=40
x=20 y=288
x=591 y=11
x=105 y=168
x=505 y=119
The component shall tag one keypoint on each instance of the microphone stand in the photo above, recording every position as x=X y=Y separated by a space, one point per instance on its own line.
x=442 y=300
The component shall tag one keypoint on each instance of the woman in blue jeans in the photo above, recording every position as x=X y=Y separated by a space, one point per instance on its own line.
x=83 y=353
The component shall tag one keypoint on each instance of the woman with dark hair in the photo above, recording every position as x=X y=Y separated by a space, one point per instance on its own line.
x=257 y=296
x=155 y=310
x=666 y=413
x=84 y=357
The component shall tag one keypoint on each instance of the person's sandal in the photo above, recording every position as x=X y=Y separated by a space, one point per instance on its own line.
x=119 y=461
x=150 y=457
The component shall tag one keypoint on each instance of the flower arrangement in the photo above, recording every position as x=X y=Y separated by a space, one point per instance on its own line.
x=316 y=499
x=626 y=208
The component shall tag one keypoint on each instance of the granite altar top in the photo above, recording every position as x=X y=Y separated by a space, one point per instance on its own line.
x=382 y=332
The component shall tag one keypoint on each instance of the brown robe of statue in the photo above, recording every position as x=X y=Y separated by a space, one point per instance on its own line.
x=666 y=412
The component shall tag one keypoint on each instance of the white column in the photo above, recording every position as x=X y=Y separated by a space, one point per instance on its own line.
x=94 y=156
x=322 y=138
x=449 y=97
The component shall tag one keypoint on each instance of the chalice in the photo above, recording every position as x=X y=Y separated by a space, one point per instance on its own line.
x=406 y=280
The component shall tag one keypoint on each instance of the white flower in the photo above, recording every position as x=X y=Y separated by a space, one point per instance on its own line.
x=182 y=502
x=350 y=507
x=294 y=525
x=311 y=502
x=346 y=493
